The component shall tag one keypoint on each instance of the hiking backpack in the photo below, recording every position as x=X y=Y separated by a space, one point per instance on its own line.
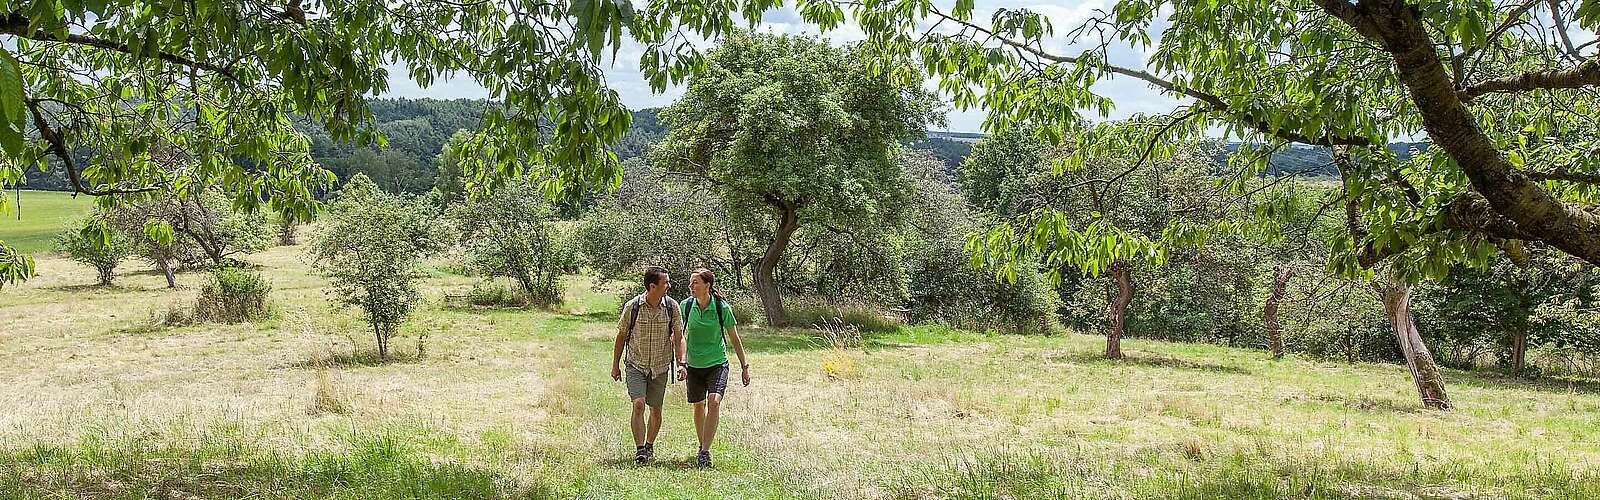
x=716 y=303
x=672 y=315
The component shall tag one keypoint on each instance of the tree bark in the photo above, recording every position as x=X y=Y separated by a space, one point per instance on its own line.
x=166 y=269
x=766 y=287
x=286 y=234
x=1426 y=374
x=1519 y=351
x=1280 y=282
x=1122 y=273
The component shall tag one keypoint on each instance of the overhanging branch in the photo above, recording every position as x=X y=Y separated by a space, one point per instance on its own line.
x=1583 y=75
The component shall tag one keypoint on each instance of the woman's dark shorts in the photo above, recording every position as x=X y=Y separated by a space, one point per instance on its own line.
x=707 y=380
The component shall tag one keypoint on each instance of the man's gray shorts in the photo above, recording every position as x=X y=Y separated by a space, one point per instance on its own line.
x=652 y=389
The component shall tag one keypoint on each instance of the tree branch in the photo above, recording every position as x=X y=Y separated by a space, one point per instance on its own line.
x=1563 y=174
x=17 y=25
x=1214 y=102
x=58 y=146
x=1583 y=75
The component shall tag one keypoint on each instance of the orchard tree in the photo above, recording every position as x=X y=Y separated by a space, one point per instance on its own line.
x=511 y=233
x=798 y=132
x=1104 y=218
x=91 y=242
x=369 y=247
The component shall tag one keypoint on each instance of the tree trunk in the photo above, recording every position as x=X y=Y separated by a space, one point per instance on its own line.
x=383 y=341
x=166 y=269
x=1519 y=351
x=286 y=234
x=766 y=287
x=1280 y=282
x=1122 y=273
x=1430 y=382
x=106 y=275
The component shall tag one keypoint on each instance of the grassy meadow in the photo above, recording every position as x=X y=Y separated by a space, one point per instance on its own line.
x=43 y=214
x=103 y=403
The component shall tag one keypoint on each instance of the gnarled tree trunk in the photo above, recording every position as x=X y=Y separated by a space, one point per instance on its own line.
x=1280 y=282
x=1122 y=273
x=166 y=269
x=1529 y=211
x=766 y=287
x=1426 y=374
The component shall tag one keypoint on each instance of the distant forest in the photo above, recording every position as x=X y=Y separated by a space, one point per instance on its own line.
x=417 y=130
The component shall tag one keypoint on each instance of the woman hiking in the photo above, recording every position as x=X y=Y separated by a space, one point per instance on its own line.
x=708 y=328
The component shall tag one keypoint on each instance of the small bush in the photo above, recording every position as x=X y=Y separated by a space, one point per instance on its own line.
x=949 y=290
x=494 y=293
x=91 y=241
x=817 y=314
x=232 y=295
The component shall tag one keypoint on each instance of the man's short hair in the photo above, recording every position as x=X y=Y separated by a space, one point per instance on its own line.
x=653 y=275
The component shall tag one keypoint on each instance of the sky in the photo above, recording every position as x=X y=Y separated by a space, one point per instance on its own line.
x=623 y=75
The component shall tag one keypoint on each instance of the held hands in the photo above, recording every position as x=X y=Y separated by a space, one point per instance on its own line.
x=616 y=372
x=683 y=373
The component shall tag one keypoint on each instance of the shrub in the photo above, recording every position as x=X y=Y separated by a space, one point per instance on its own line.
x=233 y=295
x=494 y=293
x=370 y=249
x=511 y=233
x=946 y=289
x=93 y=242
x=821 y=314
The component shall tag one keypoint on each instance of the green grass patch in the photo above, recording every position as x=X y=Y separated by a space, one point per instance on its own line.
x=372 y=466
x=43 y=215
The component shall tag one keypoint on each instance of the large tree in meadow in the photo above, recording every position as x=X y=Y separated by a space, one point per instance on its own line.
x=797 y=132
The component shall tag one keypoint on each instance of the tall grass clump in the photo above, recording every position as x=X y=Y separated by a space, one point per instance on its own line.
x=233 y=295
x=863 y=317
x=839 y=341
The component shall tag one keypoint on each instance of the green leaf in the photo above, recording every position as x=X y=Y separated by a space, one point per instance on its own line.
x=11 y=95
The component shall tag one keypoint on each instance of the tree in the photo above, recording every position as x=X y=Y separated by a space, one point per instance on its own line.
x=450 y=180
x=222 y=79
x=797 y=131
x=1506 y=308
x=511 y=233
x=1102 y=218
x=662 y=220
x=943 y=283
x=92 y=242
x=369 y=248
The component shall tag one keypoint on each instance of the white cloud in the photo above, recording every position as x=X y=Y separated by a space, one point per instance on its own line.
x=624 y=76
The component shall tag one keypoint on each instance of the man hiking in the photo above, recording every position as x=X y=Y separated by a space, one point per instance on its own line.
x=652 y=333
x=709 y=328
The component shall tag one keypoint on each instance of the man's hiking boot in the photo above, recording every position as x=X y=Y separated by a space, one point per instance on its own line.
x=641 y=454
x=649 y=451
x=704 y=459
